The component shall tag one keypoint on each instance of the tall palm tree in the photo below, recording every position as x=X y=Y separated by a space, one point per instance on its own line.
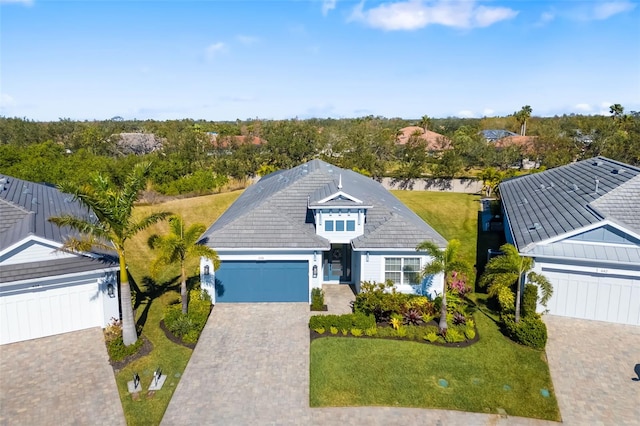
x=114 y=226
x=503 y=271
x=181 y=246
x=443 y=261
x=522 y=116
x=425 y=122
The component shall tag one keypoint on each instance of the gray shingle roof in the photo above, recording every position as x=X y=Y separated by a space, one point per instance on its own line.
x=495 y=134
x=55 y=267
x=273 y=213
x=28 y=206
x=548 y=204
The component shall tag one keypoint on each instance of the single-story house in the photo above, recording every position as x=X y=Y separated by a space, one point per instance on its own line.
x=311 y=225
x=435 y=141
x=581 y=224
x=45 y=291
x=492 y=135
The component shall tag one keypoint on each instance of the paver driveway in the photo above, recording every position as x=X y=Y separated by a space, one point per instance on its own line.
x=592 y=366
x=251 y=367
x=59 y=380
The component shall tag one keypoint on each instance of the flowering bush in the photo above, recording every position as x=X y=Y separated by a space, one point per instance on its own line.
x=458 y=283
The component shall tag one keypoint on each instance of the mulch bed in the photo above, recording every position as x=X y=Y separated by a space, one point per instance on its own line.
x=175 y=339
x=144 y=350
x=314 y=335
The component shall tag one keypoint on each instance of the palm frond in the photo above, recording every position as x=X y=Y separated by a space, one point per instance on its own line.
x=146 y=222
x=546 y=289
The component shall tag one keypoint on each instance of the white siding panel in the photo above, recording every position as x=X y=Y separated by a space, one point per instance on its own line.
x=37 y=313
x=603 y=297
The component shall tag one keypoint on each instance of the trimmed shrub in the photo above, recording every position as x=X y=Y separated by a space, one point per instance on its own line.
x=470 y=333
x=371 y=331
x=530 y=331
x=529 y=300
x=188 y=327
x=382 y=300
x=319 y=330
x=115 y=345
x=357 y=332
x=342 y=322
x=454 y=336
x=431 y=336
x=317 y=299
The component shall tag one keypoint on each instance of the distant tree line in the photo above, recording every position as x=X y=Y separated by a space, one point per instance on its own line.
x=200 y=156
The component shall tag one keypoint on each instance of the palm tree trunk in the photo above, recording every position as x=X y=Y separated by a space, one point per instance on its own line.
x=183 y=291
x=442 y=325
x=518 y=291
x=129 y=333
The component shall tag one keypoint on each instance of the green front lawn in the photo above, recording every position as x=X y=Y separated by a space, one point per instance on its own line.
x=155 y=294
x=378 y=372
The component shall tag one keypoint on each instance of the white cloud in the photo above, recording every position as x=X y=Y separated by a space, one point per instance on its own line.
x=545 y=18
x=465 y=113
x=247 y=40
x=6 y=100
x=487 y=112
x=213 y=49
x=328 y=5
x=606 y=10
x=415 y=14
x=583 y=107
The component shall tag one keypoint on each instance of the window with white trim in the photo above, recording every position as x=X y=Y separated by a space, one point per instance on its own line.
x=402 y=270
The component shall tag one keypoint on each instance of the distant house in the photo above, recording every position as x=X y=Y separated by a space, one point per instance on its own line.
x=224 y=142
x=315 y=224
x=527 y=147
x=138 y=143
x=43 y=290
x=581 y=225
x=492 y=135
x=435 y=141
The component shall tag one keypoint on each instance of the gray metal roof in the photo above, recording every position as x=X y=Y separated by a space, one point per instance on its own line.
x=273 y=213
x=28 y=206
x=551 y=203
x=53 y=268
x=495 y=134
x=601 y=253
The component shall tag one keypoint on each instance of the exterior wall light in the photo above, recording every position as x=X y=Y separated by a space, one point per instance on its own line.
x=111 y=291
x=367 y=256
x=206 y=270
x=315 y=271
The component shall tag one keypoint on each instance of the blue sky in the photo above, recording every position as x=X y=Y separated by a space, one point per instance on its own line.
x=223 y=60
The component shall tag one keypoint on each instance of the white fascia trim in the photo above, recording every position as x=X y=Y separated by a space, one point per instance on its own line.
x=542 y=258
x=389 y=249
x=73 y=275
x=30 y=238
x=259 y=250
x=577 y=231
x=337 y=194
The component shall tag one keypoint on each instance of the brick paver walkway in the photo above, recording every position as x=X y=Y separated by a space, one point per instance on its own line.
x=243 y=372
x=592 y=366
x=59 y=380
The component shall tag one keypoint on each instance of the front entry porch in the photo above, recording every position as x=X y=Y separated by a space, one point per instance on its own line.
x=336 y=264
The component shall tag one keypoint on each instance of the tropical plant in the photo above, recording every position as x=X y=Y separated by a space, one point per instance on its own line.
x=522 y=116
x=181 y=246
x=446 y=262
x=503 y=272
x=113 y=226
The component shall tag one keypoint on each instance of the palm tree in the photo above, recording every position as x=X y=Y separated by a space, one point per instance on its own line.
x=425 y=122
x=181 y=246
x=491 y=178
x=114 y=226
x=503 y=271
x=616 y=111
x=442 y=261
x=522 y=116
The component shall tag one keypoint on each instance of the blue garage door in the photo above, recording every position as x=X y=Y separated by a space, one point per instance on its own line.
x=272 y=281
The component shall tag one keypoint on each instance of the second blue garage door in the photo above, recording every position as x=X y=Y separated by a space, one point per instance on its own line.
x=269 y=281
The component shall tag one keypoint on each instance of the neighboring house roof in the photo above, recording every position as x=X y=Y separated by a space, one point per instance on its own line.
x=138 y=143
x=525 y=143
x=48 y=268
x=493 y=135
x=25 y=208
x=274 y=214
x=435 y=141
x=29 y=206
x=544 y=205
